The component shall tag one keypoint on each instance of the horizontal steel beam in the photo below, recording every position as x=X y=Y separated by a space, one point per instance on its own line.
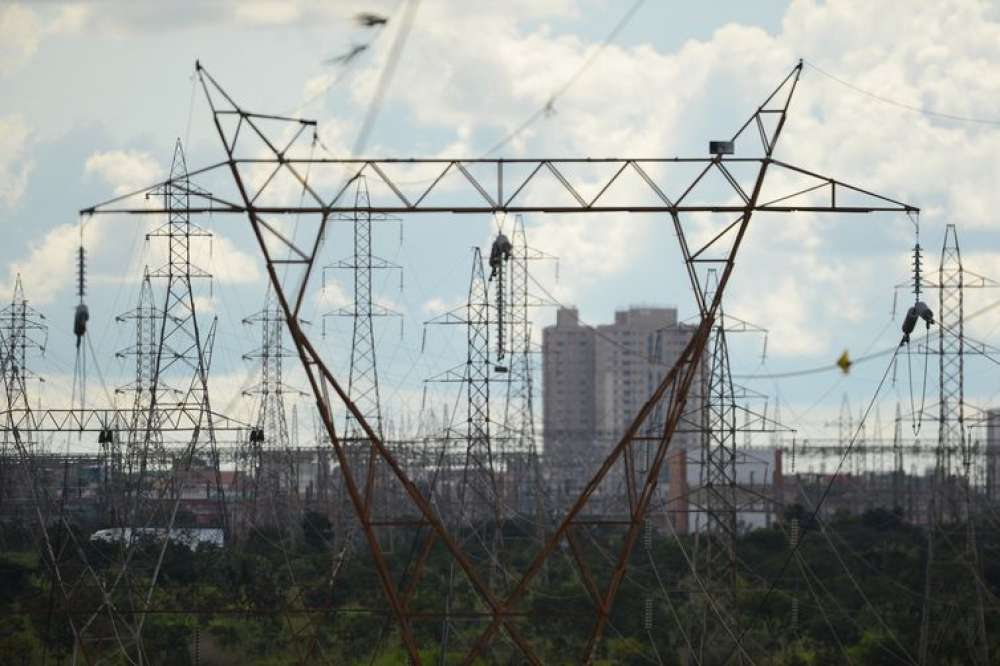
x=171 y=419
x=496 y=187
x=470 y=210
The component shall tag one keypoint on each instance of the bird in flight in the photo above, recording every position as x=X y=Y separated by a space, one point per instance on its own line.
x=369 y=20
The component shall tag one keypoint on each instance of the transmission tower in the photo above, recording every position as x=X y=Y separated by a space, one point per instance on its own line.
x=951 y=361
x=272 y=465
x=23 y=331
x=719 y=496
x=363 y=379
x=182 y=350
x=146 y=317
x=524 y=473
x=718 y=467
x=144 y=435
x=951 y=493
x=475 y=482
x=496 y=186
x=363 y=386
x=169 y=344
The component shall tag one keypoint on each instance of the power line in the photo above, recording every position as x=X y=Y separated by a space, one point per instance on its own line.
x=826 y=491
x=861 y=359
x=903 y=105
x=345 y=63
x=549 y=106
x=386 y=76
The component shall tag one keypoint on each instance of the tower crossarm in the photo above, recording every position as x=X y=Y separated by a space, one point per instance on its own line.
x=174 y=418
x=505 y=188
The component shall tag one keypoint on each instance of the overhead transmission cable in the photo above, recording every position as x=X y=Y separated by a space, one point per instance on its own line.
x=385 y=77
x=549 y=107
x=903 y=105
x=918 y=422
x=345 y=60
x=813 y=519
x=856 y=585
x=861 y=359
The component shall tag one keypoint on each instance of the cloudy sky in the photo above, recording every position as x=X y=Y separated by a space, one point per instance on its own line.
x=96 y=94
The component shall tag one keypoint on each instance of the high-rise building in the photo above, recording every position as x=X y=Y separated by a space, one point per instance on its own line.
x=595 y=381
x=631 y=356
x=568 y=386
x=993 y=454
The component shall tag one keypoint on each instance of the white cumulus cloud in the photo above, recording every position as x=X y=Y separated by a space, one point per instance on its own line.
x=124 y=170
x=15 y=161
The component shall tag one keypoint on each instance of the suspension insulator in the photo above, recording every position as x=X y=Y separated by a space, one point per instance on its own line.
x=81 y=273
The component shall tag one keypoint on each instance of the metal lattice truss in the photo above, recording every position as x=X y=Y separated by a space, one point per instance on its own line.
x=175 y=418
x=363 y=381
x=951 y=342
x=953 y=345
x=476 y=488
x=272 y=471
x=519 y=418
x=266 y=160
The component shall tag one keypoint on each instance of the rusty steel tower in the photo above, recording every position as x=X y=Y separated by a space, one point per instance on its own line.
x=502 y=609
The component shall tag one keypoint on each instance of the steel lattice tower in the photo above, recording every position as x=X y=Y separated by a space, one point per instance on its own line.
x=479 y=454
x=363 y=380
x=145 y=316
x=953 y=281
x=716 y=559
x=270 y=439
x=478 y=461
x=498 y=189
x=719 y=459
x=181 y=352
x=363 y=386
x=721 y=403
x=951 y=359
x=180 y=341
x=181 y=349
x=951 y=492
x=22 y=330
x=144 y=432
x=473 y=473
x=519 y=417
x=720 y=495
